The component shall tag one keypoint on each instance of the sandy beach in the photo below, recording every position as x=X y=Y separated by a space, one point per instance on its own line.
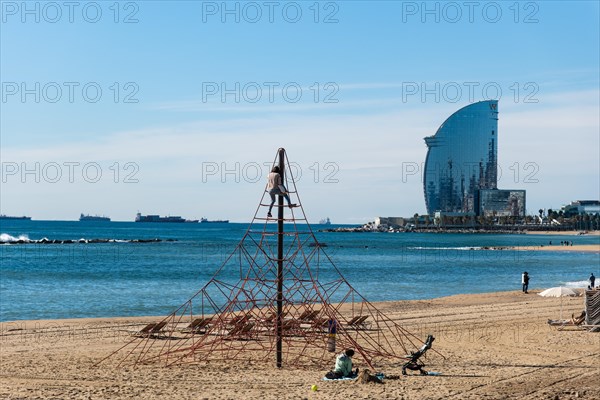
x=587 y=248
x=494 y=346
x=565 y=233
x=576 y=247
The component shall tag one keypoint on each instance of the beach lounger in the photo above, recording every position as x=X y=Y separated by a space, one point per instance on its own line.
x=145 y=329
x=288 y=327
x=271 y=318
x=358 y=322
x=151 y=330
x=242 y=330
x=239 y=319
x=574 y=321
x=304 y=314
x=308 y=315
x=559 y=322
x=291 y=326
x=198 y=325
x=362 y=322
x=320 y=323
x=311 y=316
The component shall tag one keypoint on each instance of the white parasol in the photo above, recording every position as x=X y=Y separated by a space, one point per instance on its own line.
x=559 y=291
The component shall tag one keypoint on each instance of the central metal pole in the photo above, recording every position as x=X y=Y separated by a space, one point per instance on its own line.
x=280 y=260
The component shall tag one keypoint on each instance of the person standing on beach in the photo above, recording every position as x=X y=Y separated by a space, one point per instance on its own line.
x=592 y=280
x=525 y=281
x=275 y=186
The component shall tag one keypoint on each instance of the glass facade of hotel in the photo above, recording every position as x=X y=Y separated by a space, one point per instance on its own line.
x=462 y=159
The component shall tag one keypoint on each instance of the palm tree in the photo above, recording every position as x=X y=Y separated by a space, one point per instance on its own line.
x=586 y=221
x=481 y=219
x=578 y=222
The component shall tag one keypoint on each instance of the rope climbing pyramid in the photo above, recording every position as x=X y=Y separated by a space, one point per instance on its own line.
x=278 y=297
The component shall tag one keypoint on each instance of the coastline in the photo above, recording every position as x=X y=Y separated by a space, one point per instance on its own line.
x=496 y=345
x=511 y=230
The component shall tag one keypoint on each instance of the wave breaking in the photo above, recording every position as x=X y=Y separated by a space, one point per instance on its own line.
x=7 y=239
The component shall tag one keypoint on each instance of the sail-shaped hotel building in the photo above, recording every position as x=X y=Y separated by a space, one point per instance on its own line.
x=461 y=168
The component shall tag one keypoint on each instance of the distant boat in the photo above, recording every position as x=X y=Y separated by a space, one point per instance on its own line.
x=93 y=218
x=157 y=218
x=216 y=221
x=2 y=216
x=325 y=221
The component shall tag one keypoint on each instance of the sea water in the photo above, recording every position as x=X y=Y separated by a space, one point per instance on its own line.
x=120 y=278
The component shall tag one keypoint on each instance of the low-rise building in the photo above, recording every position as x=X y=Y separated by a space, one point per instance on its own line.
x=390 y=221
x=501 y=203
x=580 y=207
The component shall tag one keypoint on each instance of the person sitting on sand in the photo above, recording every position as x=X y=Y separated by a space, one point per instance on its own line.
x=343 y=363
x=275 y=186
x=343 y=366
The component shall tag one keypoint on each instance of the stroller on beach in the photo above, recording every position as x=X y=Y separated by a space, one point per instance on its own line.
x=413 y=362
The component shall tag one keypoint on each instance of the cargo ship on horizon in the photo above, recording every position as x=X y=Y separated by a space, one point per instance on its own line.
x=216 y=221
x=2 y=216
x=88 y=217
x=157 y=218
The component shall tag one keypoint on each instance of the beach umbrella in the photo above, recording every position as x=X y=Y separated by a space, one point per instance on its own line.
x=559 y=291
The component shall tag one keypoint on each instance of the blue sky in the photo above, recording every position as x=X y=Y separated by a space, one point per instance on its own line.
x=134 y=92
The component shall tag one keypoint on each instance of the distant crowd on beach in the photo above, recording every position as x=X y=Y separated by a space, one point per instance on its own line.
x=563 y=243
